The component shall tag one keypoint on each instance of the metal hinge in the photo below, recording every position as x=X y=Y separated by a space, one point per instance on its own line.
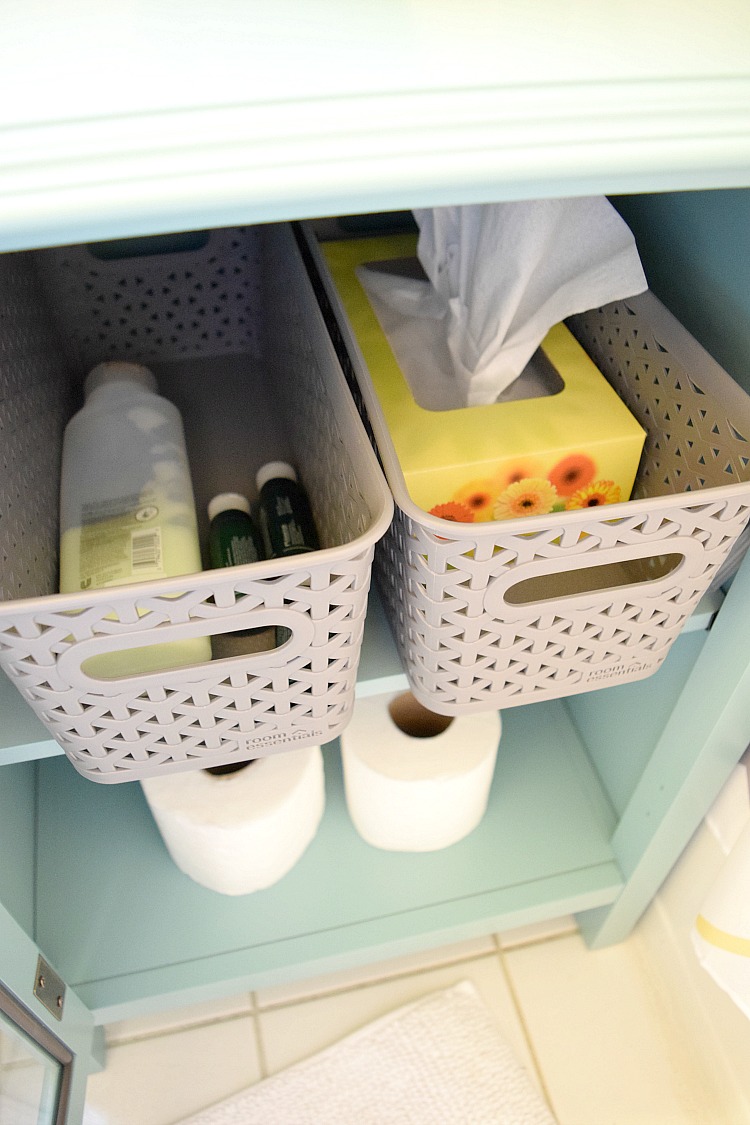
x=49 y=988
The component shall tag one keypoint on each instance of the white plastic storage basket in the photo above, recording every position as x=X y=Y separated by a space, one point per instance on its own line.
x=498 y=614
x=233 y=331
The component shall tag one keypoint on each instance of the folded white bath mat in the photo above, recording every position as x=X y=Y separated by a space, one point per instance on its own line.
x=438 y=1061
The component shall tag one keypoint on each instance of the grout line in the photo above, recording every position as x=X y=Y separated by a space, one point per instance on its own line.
x=259 y=1045
x=18 y=1064
x=336 y=989
x=359 y=985
x=524 y=1026
x=160 y=1032
x=256 y=1008
x=542 y=939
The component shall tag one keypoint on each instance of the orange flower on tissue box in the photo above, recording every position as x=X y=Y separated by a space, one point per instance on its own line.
x=578 y=447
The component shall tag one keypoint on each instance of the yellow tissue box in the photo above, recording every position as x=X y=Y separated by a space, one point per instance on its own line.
x=579 y=447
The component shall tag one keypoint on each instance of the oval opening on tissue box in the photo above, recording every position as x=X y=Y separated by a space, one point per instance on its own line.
x=396 y=288
x=123 y=249
x=592 y=579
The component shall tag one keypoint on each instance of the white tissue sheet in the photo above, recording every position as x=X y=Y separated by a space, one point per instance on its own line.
x=413 y=318
x=240 y=832
x=439 y=1061
x=416 y=794
x=505 y=273
x=721 y=933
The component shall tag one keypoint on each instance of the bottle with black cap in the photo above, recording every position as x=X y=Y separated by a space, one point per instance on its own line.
x=232 y=538
x=284 y=511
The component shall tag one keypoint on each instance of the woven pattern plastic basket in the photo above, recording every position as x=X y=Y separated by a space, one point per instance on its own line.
x=300 y=693
x=510 y=612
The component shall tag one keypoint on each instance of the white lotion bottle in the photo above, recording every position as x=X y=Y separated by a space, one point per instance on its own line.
x=127 y=512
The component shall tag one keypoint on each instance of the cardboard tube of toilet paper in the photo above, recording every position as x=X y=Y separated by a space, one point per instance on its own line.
x=240 y=832
x=416 y=781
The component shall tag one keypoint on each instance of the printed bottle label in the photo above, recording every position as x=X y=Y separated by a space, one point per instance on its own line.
x=286 y=521
x=119 y=542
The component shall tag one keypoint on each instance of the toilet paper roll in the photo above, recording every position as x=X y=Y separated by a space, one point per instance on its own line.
x=240 y=832
x=416 y=781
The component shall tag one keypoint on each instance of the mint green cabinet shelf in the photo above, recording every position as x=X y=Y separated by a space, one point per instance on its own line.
x=141 y=927
x=142 y=936
x=23 y=737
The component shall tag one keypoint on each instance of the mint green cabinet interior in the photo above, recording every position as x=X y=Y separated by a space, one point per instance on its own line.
x=93 y=884
x=695 y=248
x=594 y=797
x=19 y=953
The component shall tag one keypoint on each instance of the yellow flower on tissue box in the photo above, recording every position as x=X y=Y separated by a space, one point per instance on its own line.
x=579 y=447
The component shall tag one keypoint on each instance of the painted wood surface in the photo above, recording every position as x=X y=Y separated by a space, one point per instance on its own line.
x=76 y=1030
x=141 y=118
x=141 y=929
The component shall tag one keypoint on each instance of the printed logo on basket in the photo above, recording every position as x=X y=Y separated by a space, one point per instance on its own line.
x=615 y=671
x=265 y=740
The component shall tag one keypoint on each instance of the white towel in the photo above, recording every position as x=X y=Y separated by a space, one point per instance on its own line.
x=437 y=1061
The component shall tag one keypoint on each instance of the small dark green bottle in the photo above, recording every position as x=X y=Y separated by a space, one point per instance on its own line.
x=232 y=537
x=233 y=540
x=284 y=512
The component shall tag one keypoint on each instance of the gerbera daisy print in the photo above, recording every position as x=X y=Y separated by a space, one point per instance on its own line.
x=515 y=472
x=458 y=513
x=531 y=497
x=572 y=473
x=478 y=496
x=594 y=495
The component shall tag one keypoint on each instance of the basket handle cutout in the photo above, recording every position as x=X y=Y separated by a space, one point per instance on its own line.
x=593 y=579
x=590 y=577
x=174 y=655
x=123 y=249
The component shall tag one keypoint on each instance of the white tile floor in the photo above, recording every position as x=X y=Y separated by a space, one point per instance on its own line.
x=594 y=1033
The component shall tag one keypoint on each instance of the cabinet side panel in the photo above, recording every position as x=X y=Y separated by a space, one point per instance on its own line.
x=18 y=842
x=620 y=726
x=695 y=248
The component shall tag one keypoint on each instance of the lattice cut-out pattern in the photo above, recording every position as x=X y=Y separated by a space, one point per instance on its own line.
x=169 y=306
x=465 y=648
x=231 y=708
x=697 y=439
x=35 y=402
x=467 y=645
x=239 y=708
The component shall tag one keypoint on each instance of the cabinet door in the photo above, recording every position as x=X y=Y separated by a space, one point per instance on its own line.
x=47 y=1037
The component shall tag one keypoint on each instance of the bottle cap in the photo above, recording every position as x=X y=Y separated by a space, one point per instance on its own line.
x=228 y=502
x=118 y=371
x=274 y=470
